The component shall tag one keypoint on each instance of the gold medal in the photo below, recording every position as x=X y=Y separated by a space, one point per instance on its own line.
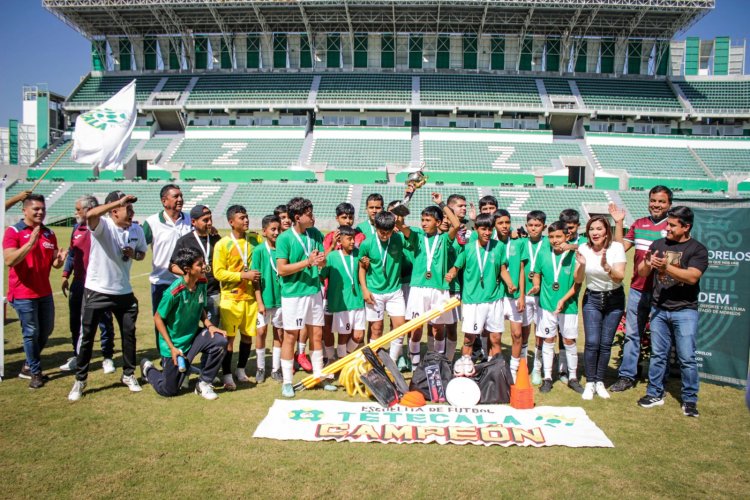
x=428 y=275
x=555 y=286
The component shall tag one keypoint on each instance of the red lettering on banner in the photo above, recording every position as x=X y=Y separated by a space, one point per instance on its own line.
x=398 y=433
x=462 y=433
x=424 y=432
x=367 y=431
x=494 y=434
x=535 y=435
x=331 y=430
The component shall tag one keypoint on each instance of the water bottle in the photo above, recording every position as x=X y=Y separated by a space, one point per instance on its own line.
x=181 y=364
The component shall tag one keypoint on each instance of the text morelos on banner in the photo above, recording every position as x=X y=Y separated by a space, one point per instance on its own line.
x=487 y=425
x=722 y=342
x=102 y=135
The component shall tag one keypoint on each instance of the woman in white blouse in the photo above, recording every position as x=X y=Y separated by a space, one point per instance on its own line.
x=601 y=262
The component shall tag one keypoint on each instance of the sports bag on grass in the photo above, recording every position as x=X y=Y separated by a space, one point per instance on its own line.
x=494 y=380
x=419 y=377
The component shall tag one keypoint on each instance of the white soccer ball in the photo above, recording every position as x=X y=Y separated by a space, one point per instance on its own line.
x=464 y=367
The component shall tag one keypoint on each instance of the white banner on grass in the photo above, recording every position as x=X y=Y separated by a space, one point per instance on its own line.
x=488 y=425
x=102 y=135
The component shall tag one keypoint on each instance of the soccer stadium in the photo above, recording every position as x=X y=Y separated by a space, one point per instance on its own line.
x=545 y=105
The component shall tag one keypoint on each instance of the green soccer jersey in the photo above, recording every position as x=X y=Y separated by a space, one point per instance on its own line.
x=344 y=293
x=295 y=248
x=181 y=310
x=515 y=253
x=455 y=250
x=432 y=276
x=270 y=286
x=565 y=263
x=367 y=229
x=482 y=287
x=386 y=263
x=533 y=248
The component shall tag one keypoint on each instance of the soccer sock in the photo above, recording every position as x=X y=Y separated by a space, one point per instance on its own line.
x=243 y=356
x=548 y=356
x=341 y=350
x=415 y=352
x=301 y=346
x=450 y=349
x=351 y=345
x=316 y=358
x=562 y=361
x=261 y=361
x=276 y=358
x=524 y=351
x=571 y=352
x=226 y=365
x=287 y=370
x=514 y=362
x=395 y=349
x=537 y=359
x=430 y=343
x=440 y=346
x=483 y=339
x=330 y=352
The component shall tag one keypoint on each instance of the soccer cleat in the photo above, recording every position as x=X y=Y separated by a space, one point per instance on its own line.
x=77 y=391
x=287 y=391
x=108 y=366
x=277 y=376
x=402 y=366
x=260 y=376
x=241 y=376
x=69 y=366
x=228 y=381
x=622 y=385
x=131 y=382
x=146 y=365
x=546 y=385
x=536 y=377
x=650 y=401
x=37 y=381
x=327 y=386
x=205 y=390
x=601 y=391
x=575 y=385
x=690 y=410
x=25 y=372
x=588 y=391
x=304 y=362
x=564 y=377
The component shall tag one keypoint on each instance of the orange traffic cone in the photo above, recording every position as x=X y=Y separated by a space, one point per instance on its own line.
x=522 y=393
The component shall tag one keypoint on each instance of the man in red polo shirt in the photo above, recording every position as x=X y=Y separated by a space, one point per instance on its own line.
x=30 y=250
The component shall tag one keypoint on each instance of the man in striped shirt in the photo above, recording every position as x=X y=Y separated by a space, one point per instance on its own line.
x=641 y=235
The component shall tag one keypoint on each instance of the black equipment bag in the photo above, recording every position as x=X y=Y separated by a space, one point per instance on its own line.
x=494 y=379
x=419 y=377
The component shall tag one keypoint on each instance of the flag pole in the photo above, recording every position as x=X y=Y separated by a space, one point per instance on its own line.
x=41 y=177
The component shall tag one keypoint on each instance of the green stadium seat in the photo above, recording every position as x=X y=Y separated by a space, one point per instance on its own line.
x=728 y=95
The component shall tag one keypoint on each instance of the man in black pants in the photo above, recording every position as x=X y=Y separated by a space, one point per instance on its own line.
x=115 y=243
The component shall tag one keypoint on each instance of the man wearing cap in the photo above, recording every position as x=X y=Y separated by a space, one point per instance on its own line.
x=203 y=238
x=30 y=251
x=162 y=231
x=115 y=243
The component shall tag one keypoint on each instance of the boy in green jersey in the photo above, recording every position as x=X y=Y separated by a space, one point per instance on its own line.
x=514 y=295
x=428 y=286
x=344 y=294
x=268 y=298
x=484 y=264
x=373 y=206
x=299 y=258
x=380 y=280
x=536 y=223
x=177 y=317
x=554 y=273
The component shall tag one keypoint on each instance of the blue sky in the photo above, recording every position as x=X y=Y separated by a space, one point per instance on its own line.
x=39 y=48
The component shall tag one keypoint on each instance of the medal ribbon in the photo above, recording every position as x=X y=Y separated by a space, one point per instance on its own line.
x=533 y=254
x=243 y=256
x=383 y=252
x=555 y=268
x=206 y=251
x=306 y=247
x=482 y=261
x=431 y=251
x=349 y=273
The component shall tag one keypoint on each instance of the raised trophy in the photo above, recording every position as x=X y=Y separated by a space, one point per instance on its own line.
x=415 y=180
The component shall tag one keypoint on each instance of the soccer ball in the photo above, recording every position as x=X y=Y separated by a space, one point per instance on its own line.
x=464 y=367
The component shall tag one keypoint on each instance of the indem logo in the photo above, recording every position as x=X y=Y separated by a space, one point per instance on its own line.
x=103 y=118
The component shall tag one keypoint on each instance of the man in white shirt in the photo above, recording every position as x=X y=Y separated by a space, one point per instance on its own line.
x=162 y=231
x=116 y=241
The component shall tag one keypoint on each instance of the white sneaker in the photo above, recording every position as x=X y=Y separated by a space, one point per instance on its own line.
x=229 y=382
x=108 y=366
x=132 y=383
x=205 y=390
x=588 y=391
x=77 y=391
x=601 y=391
x=69 y=365
x=242 y=376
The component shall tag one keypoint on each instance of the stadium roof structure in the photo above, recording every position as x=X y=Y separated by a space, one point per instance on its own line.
x=651 y=19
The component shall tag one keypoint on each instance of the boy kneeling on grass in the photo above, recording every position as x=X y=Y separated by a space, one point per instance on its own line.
x=182 y=307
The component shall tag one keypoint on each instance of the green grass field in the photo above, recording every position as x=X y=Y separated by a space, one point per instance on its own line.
x=116 y=444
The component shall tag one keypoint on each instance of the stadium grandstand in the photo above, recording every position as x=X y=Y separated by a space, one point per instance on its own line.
x=542 y=104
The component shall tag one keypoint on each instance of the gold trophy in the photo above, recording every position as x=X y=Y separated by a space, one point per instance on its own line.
x=415 y=180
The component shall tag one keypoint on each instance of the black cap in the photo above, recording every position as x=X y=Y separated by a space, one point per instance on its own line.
x=114 y=196
x=199 y=211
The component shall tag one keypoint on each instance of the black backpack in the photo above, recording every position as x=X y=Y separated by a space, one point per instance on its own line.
x=419 y=377
x=494 y=380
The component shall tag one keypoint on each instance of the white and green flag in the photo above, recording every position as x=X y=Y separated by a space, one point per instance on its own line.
x=102 y=135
